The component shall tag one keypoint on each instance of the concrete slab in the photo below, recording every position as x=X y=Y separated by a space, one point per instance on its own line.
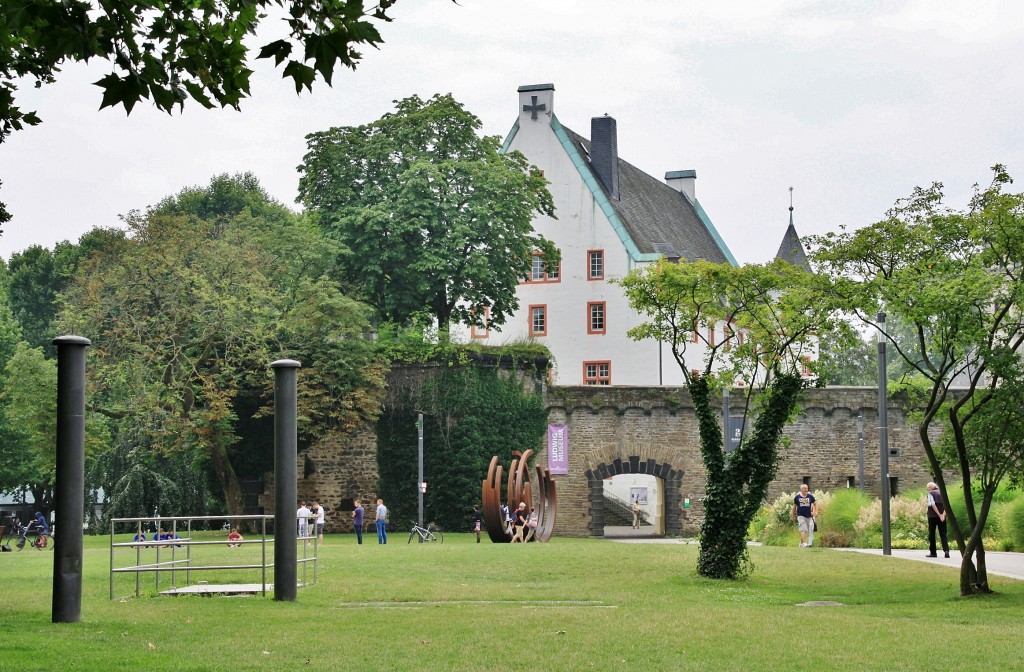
x=220 y=589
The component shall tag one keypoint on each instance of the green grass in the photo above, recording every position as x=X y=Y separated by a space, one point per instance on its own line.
x=572 y=604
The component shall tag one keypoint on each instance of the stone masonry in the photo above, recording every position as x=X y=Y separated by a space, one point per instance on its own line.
x=614 y=430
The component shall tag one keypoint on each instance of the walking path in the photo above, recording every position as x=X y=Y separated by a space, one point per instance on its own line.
x=1002 y=564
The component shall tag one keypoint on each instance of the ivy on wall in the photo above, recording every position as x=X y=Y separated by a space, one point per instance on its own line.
x=472 y=411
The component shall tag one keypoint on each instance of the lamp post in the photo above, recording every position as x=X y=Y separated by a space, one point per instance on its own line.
x=860 y=452
x=419 y=483
x=883 y=434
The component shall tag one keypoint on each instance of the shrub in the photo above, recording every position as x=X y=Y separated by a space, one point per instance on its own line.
x=1013 y=522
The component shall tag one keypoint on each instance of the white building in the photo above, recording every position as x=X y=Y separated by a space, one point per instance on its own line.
x=611 y=218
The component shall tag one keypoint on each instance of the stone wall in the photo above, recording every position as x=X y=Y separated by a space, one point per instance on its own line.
x=657 y=426
x=334 y=471
x=652 y=430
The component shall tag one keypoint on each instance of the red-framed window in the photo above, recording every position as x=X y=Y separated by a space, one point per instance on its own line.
x=805 y=366
x=597 y=373
x=597 y=317
x=711 y=334
x=538 y=320
x=696 y=332
x=595 y=264
x=542 y=272
x=481 y=332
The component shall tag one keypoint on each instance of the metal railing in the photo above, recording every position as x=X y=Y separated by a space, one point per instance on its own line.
x=174 y=552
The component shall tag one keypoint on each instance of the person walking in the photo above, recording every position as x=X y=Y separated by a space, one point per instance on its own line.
x=478 y=521
x=805 y=510
x=936 y=520
x=357 y=521
x=382 y=522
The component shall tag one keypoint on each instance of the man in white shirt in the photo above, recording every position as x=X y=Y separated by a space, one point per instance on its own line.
x=382 y=520
x=303 y=515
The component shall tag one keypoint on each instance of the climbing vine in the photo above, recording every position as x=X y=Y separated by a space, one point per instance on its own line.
x=472 y=410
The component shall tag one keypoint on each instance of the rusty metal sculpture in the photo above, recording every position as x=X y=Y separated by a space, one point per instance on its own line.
x=518 y=490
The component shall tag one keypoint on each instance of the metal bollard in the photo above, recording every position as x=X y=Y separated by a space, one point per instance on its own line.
x=69 y=491
x=285 y=489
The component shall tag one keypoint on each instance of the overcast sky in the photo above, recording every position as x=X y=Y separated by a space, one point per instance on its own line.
x=851 y=103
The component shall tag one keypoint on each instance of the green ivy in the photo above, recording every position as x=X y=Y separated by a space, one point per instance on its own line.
x=737 y=482
x=472 y=412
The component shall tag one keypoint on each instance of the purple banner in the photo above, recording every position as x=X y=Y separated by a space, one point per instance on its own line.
x=558 y=449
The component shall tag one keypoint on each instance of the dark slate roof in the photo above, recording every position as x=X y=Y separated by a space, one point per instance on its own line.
x=792 y=248
x=659 y=219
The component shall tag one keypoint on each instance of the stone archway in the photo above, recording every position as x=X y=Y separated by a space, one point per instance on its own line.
x=672 y=479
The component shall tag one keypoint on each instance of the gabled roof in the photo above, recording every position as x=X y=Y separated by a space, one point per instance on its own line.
x=651 y=218
x=792 y=248
x=659 y=219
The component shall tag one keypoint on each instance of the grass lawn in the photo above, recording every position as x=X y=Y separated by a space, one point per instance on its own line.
x=572 y=604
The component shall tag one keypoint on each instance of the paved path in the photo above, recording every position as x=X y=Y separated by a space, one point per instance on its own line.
x=1003 y=564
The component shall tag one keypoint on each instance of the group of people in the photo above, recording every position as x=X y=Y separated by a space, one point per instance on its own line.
x=307 y=513
x=381 y=520
x=805 y=513
x=520 y=524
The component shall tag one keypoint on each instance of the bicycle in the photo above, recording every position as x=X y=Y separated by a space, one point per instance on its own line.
x=33 y=534
x=426 y=534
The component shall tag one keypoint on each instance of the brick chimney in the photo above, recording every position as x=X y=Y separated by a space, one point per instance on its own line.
x=684 y=181
x=604 y=153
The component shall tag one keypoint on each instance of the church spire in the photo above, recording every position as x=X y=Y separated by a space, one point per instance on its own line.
x=792 y=248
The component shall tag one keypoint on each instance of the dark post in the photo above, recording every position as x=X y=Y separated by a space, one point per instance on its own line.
x=725 y=418
x=285 y=456
x=883 y=434
x=860 y=451
x=419 y=485
x=69 y=491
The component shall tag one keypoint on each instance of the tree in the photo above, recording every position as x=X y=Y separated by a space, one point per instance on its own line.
x=37 y=275
x=173 y=50
x=435 y=218
x=772 y=320
x=176 y=49
x=952 y=277
x=185 y=315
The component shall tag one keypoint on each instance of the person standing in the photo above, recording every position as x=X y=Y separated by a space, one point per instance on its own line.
x=478 y=521
x=636 y=513
x=357 y=521
x=936 y=520
x=318 y=511
x=805 y=510
x=382 y=522
x=303 y=515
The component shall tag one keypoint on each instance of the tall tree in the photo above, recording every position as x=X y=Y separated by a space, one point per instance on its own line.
x=187 y=312
x=771 y=320
x=953 y=277
x=435 y=218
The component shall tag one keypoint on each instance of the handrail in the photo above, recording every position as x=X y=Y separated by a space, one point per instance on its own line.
x=184 y=544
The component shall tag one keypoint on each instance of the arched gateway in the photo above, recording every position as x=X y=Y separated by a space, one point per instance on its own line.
x=670 y=520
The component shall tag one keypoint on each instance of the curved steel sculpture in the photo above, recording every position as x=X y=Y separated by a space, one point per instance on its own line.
x=519 y=490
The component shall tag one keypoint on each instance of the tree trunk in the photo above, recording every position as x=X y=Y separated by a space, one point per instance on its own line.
x=737 y=485
x=227 y=478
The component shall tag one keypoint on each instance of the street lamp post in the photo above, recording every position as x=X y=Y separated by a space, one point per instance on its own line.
x=419 y=483
x=883 y=434
x=860 y=452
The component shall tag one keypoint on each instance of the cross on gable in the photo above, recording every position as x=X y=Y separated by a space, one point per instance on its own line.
x=533 y=108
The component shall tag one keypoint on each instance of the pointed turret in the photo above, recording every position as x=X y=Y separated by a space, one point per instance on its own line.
x=792 y=248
